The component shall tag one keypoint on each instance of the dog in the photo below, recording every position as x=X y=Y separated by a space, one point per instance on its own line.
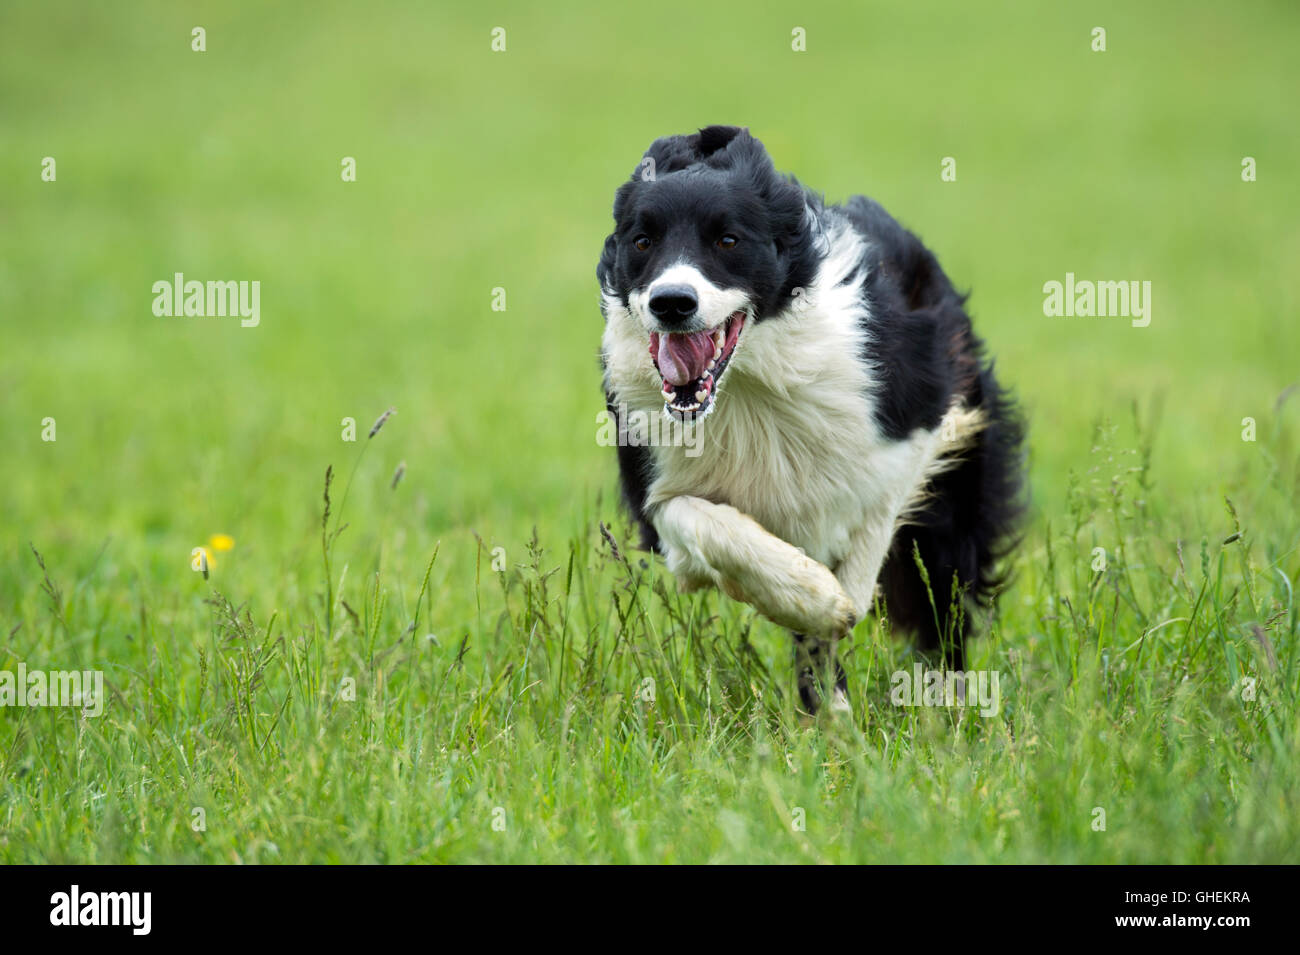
x=851 y=440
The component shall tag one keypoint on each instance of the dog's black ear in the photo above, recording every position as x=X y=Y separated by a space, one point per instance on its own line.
x=605 y=267
x=710 y=139
x=666 y=154
x=675 y=153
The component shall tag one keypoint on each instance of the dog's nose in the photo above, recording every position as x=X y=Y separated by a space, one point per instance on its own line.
x=674 y=303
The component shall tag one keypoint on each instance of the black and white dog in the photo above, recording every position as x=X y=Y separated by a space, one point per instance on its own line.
x=846 y=420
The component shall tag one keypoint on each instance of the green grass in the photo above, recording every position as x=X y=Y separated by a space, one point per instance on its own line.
x=518 y=696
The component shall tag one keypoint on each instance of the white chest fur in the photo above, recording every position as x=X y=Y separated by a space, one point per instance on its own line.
x=792 y=441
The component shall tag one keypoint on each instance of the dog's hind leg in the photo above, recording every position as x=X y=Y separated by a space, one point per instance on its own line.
x=706 y=543
x=816 y=664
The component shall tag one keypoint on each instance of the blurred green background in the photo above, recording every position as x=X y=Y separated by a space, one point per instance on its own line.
x=479 y=170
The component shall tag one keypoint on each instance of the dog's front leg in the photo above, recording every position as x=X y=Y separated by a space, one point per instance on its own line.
x=707 y=543
x=859 y=571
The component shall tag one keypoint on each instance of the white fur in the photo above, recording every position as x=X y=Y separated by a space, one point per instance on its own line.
x=790 y=461
x=716 y=544
x=715 y=304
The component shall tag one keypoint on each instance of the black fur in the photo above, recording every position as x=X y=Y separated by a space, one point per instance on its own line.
x=635 y=472
x=925 y=353
x=921 y=347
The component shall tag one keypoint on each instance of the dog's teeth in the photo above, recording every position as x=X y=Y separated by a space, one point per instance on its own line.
x=713 y=364
x=700 y=396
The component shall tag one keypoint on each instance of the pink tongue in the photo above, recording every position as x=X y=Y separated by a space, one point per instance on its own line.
x=683 y=358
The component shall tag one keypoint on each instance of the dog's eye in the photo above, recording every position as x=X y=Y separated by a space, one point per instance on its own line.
x=642 y=242
x=727 y=242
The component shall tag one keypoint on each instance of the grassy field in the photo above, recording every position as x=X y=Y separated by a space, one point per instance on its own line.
x=463 y=668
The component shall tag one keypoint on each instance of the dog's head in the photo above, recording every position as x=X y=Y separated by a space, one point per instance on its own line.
x=709 y=241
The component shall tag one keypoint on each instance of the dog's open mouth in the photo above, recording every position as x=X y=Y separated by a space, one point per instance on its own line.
x=691 y=365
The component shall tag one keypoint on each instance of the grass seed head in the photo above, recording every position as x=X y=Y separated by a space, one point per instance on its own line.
x=379 y=422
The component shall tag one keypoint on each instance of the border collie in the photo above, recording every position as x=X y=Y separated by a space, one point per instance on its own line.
x=849 y=432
